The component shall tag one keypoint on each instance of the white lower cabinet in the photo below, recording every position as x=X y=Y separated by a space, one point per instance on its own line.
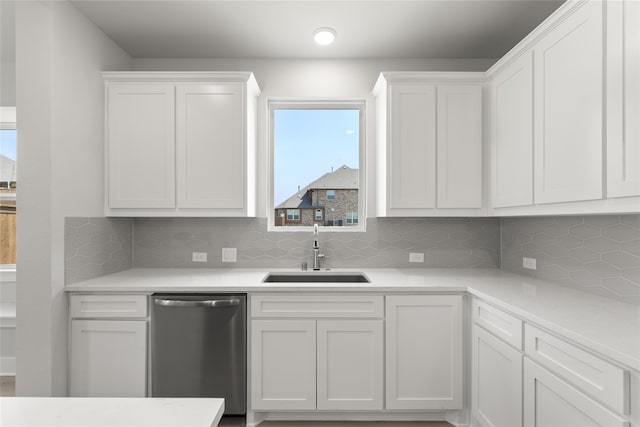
x=350 y=364
x=331 y=362
x=496 y=381
x=424 y=352
x=552 y=402
x=108 y=358
x=108 y=346
x=283 y=364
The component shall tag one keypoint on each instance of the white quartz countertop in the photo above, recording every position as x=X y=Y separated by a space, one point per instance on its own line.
x=109 y=412
x=601 y=324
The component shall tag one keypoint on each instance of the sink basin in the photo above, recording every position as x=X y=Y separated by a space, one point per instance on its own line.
x=316 y=277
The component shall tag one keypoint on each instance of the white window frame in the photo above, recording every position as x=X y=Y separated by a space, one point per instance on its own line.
x=333 y=194
x=274 y=104
x=8 y=122
x=319 y=216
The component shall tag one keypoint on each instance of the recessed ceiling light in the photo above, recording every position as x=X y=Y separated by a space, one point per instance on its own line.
x=324 y=36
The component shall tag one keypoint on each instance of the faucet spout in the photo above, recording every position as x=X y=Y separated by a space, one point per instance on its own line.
x=317 y=256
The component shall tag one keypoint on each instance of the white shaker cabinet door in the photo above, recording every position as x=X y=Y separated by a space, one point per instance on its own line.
x=459 y=143
x=412 y=147
x=140 y=146
x=350 y=365
x=283 y=364
x=569 y=108
x=512 y=134
x=551 y=402
x=424 y=352
x=496 y=381
x=623 y=98
x=210 y=146
x=108 y=358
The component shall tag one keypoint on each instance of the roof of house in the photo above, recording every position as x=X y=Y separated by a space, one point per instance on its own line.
x=343 y=178
x=7 y=169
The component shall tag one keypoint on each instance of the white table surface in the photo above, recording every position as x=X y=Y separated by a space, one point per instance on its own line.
x=109 y=412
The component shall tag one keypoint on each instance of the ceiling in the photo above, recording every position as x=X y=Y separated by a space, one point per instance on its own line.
x=371 y=29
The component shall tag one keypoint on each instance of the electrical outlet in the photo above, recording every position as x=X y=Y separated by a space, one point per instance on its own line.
x=529 y=263
x=229 y=254
x=199 y=257
x=416 y=257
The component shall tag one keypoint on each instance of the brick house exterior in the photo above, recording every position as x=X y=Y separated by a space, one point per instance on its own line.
x=331 y=200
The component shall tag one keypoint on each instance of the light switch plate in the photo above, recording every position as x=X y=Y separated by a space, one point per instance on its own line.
x=229 y=254
x=416 y=257
x=529 y=263
x=199 y=257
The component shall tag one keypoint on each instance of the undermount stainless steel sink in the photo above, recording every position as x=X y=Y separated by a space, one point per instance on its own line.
x=316 y=277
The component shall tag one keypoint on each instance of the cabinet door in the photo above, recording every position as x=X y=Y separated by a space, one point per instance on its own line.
x=412 y=150
x=551 y=402
x=108 y=358
x=424 y=352
x=496 y=381
x=210 y=149
x=512 y=134
x=459 y=146
x=140 y=146
x=623 y=98
x=350 y=365
x=569 y=108
x=283 y=364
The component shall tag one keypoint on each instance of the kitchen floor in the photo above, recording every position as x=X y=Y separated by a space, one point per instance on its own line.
x=7 y=386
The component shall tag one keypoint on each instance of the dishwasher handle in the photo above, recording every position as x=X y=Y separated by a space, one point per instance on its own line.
x=203 y=303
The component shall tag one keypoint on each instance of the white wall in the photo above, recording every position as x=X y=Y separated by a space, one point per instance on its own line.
x=59 y=93
x=310 y=78
x=7 y=83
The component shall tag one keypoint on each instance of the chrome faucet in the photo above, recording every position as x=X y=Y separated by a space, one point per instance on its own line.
x=317 y=256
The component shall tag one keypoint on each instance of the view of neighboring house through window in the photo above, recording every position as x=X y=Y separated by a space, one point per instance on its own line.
x=8 y=173
x=316 y=163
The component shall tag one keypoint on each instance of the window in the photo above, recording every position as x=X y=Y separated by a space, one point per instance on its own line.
x=317 y=152
x=293 y=214
x=352 y=218
x=8 y=184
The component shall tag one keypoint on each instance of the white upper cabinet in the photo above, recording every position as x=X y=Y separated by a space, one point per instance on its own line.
x=181 y=144
x=459 y=146
x=210 y=146
x=429 y=144
x=511 y=115
x=569 y=78
x=412 y=155
x=140 y=147
x=623 y=98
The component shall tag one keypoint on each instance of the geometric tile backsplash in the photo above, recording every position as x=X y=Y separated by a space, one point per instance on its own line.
x=96 y=246
x=445 y=242
x=599 y=254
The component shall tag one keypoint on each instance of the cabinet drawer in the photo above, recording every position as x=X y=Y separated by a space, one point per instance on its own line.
x=606 y=382
x=108 y=306
x=499 y=323
x=317 y=306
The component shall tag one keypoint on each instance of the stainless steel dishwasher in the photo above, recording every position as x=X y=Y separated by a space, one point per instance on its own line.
x=199 y=348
